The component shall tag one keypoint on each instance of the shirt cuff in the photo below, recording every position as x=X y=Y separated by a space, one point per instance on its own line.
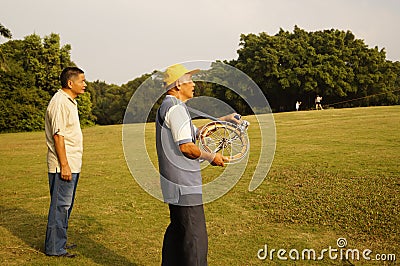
x=183 y=141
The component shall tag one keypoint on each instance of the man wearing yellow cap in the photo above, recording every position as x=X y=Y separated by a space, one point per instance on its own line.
x=185 y=240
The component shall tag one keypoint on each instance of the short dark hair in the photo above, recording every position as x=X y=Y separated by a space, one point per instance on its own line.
x=68 y=73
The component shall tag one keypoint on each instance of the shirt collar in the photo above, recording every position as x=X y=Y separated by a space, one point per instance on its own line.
x=69 y=97
x=171 y=96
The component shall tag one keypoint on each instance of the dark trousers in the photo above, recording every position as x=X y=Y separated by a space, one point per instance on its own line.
x=185 y=240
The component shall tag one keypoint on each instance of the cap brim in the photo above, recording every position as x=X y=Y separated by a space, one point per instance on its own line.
x=191 y=72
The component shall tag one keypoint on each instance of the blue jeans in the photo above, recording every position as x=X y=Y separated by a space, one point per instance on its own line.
x=62 y=200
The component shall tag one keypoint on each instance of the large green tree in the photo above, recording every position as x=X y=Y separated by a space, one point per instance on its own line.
x=31 y=78
x=332 y=63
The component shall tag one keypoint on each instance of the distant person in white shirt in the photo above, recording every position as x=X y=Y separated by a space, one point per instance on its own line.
x=318 y=104
x=297 y=105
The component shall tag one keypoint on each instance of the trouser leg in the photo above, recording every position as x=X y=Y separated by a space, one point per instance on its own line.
x=186 y=241
x=172 y=246
x=75 y=178
x=195 y=240
x=62 y=193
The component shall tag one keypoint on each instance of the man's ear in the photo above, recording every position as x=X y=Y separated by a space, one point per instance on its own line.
x=70 y=82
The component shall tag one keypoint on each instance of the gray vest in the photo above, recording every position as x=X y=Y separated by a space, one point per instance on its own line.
x=178 y=175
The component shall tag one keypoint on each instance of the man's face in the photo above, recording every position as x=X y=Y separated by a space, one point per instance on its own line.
x=186 y=88
x=77 y=84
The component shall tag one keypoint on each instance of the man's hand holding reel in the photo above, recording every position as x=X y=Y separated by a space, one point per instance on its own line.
x=226 y=135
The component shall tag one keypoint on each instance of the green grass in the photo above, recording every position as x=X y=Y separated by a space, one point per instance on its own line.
x=335 y=174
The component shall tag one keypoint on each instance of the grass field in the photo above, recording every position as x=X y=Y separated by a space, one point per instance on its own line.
x=336 y=174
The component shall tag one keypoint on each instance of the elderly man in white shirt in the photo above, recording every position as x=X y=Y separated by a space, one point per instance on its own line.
x=185 y=240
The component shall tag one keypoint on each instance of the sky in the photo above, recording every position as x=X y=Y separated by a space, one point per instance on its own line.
x=120 y=40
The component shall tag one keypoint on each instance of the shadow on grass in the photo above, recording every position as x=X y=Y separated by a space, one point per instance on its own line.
x=31 y=228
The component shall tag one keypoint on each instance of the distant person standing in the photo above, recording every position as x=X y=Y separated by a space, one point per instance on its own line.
x=318 y=104
x=298 y=105
x=64 y=158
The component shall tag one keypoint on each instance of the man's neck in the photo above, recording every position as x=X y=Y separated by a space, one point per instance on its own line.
x=175 y=94
x=69 y=92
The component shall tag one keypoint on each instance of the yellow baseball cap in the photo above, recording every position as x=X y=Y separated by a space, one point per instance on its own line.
x=174 y=72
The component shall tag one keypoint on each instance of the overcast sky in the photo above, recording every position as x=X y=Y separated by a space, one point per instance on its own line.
x=118 y=41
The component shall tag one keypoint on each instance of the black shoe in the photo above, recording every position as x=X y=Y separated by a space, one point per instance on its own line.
x=71 y=246
x=67 y=255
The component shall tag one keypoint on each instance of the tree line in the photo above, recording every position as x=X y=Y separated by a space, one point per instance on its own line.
x=29 y=76
x=331 y=63
x=288 y=67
